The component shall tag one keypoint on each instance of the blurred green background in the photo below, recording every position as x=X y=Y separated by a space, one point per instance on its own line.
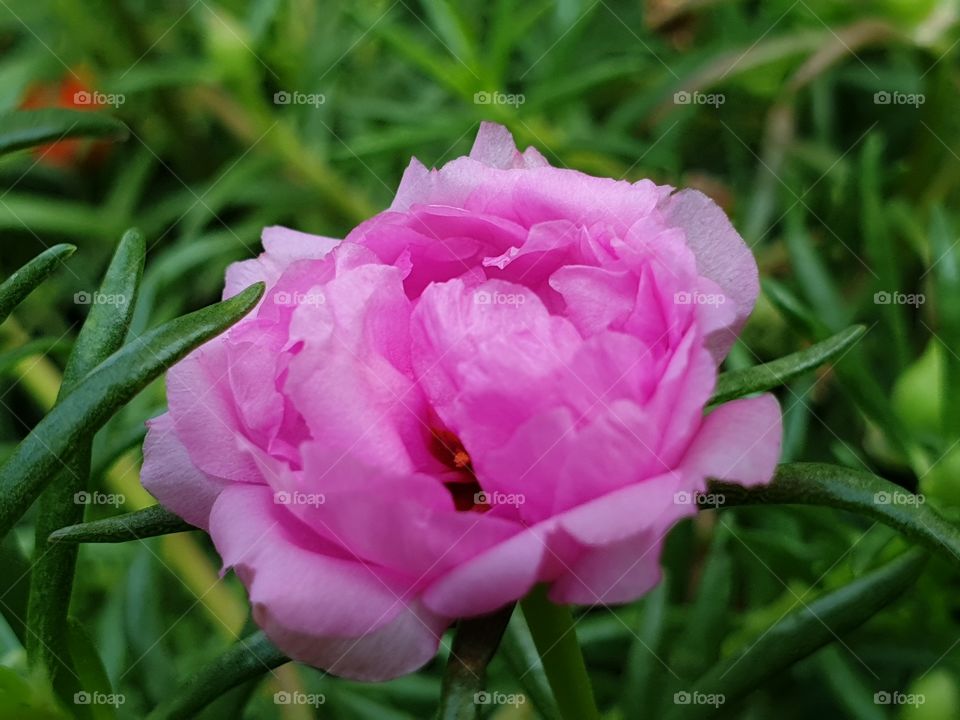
x=828 y=130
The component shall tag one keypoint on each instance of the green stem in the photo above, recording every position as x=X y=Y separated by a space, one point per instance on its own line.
x=553 y=634
x=474 y=645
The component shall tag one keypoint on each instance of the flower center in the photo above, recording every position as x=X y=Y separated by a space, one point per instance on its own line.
x=463 y=486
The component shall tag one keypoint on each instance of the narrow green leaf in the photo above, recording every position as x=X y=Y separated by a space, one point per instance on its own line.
x=644 y=665
x=552 y=629
x=16 y=287
x=946 y=275
x=737 y=383
x=149 y=522
x=474 y=645
x=28 y=128
x=92 y=678
x=520 y=654
x=52 y=578
x=101 y=393
x=801 y=633
x=854 y=490
x=247 y=659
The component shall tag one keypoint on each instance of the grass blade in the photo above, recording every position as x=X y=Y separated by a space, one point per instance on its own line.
x=15 y=288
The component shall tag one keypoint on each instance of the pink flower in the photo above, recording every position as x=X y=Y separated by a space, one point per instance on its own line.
x=499 y=381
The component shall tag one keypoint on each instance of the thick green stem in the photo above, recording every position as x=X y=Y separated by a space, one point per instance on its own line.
x=553 y=634
x=474 y=645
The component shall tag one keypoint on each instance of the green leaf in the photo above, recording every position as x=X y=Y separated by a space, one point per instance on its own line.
x=552 y=629
x=149 y=522
x=110 y=386
x=474 y=645
x=520 y=654
x=247 y=659
x=15 y=288
x=737 y=383
x=801 y=633
x=28 y=128
x=854 y=490
x=643 y=664
x=92 y=676
x=52 y=578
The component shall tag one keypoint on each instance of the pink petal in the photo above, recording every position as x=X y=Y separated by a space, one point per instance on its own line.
x=721 y=255
x=350 y=619
x=738 y=442
x=170 y=476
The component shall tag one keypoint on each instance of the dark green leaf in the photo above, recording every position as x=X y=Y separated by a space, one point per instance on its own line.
x=801 y=633
x=52 y=578
x=854 y=490
x=737 y=383
x=249 y=658
x=28 y=128
x=110 y=386
x=16 y=287
x=149 y=522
